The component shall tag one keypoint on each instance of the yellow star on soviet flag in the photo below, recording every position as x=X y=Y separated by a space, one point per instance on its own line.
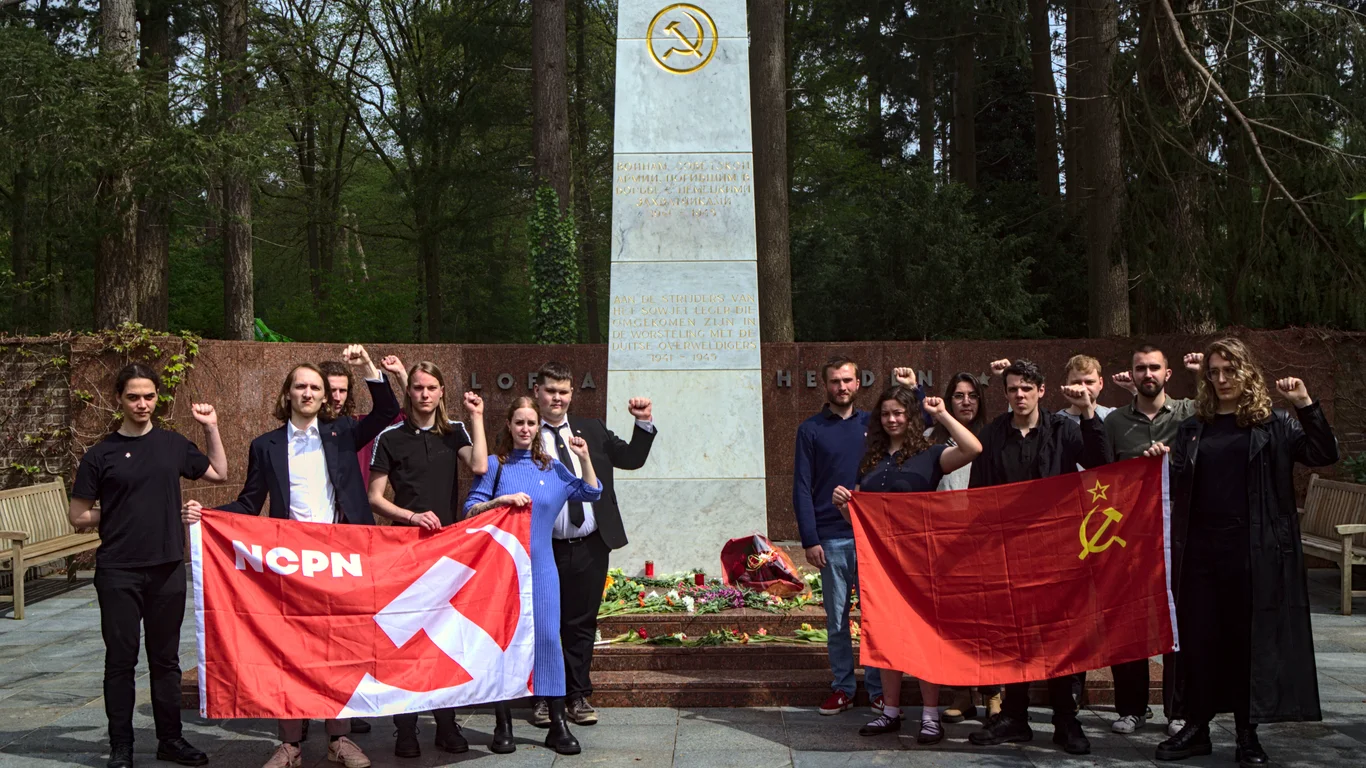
x=1098 y=492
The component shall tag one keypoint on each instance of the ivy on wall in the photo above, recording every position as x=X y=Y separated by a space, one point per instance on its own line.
x=554 y=271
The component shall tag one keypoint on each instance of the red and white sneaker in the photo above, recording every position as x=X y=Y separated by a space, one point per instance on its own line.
x=876 y=704
x=837 y=702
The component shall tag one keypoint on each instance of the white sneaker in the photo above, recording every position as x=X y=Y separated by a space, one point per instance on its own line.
x=1174 y=727
x=1126 y=724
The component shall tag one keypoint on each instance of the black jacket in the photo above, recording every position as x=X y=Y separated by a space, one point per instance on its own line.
x=1284 y=680
x=1062 y=446
x=268 y=462
x=607 y=451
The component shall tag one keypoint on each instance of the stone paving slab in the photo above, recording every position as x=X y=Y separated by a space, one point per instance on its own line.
x=52 y=714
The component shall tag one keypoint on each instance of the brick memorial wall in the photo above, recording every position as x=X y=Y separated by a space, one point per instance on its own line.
x=242 y=379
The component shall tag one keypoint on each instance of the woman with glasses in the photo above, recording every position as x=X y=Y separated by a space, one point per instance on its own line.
x=899 y=458
x=1242 y=602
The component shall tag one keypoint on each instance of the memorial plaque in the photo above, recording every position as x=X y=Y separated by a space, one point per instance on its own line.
x=684 y=327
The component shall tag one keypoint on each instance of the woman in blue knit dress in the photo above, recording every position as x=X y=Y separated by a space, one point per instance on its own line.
x=521 y=474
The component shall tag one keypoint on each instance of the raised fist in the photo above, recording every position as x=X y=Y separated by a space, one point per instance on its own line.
x=1192 y=361
x=393 y=365
x=904 y=376
x=639 y=408
x=474 y=404
x=934 y=406
x=999 y=367
x=1294 y=390
x=355 y=355
x=204 y=414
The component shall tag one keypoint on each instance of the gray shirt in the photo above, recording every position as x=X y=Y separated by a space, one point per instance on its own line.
x=1129 y=433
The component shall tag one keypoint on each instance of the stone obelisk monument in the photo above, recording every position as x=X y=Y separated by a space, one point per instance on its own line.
x=685 y=313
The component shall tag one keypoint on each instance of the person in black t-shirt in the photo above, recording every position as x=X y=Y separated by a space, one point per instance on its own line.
x=899 y=458
x=420 y=457
x=134 y=474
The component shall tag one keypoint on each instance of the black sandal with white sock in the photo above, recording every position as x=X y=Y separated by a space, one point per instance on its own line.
x=883 y=724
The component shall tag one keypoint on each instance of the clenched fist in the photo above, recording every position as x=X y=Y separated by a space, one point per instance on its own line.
x=639 y=408
x=1294 y=390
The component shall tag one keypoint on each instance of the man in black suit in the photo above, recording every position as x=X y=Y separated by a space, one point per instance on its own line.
x=584 y=534
x=308 y=470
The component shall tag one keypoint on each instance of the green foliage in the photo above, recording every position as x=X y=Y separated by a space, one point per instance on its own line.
x=1354 y=467
x=554 y=271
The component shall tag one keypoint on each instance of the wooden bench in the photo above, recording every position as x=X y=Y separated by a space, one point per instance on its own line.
x=34 y=521
x=1333 y=526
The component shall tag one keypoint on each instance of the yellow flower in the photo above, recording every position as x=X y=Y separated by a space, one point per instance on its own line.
x=608 y=585
x=854 y=630
x=806 y=627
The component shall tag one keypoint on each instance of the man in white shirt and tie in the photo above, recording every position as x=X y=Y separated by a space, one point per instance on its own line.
x=308 y=470
x=584 y=534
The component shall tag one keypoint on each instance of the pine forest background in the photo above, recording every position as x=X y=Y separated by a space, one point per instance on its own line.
x=441 y=170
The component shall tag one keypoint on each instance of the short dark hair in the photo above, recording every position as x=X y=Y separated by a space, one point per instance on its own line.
x=835 y=363
x=135 y=371
x=330 y=368
x=1148 y=349
x=1026 y=370
x=556 y=371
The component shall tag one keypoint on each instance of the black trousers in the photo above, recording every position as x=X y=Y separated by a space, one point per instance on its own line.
x=582 y=564
x=132 y=599
x=443 y=717
x=1131 y=688
x=1015 y=703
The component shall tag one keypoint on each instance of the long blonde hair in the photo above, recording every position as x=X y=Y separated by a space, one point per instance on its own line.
x=1254 y=405
x=443 y=421
x=538 y=454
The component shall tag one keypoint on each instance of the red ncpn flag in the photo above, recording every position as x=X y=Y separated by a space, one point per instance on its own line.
x=298 y=620
x=1018 y=582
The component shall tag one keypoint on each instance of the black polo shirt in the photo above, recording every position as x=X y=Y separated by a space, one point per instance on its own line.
x=423 y=467
x=136 y=480
x=1020 y=455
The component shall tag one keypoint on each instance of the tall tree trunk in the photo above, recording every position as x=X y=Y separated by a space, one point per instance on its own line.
x=116 y=268
x=429 y=251
x=925 y=106
x=154 y=215
x=965 y=101
x=583 y=201
x=1240 y=214
x=768 y=95
x=1045 y=96
x=550 y=98
x=1107 y=268
x=308 y=175
x=1172 y=98
x=1074 y=120
x=238 y=304
x=20 y=248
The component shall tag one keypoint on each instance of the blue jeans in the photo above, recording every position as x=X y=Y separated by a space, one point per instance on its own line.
x=837 y=577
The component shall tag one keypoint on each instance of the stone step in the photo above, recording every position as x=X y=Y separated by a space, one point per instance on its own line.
x=743 y=620
x=742 y=687
x=759 y=656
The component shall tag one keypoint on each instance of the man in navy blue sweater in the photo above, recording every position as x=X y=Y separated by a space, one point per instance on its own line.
x=829 y=448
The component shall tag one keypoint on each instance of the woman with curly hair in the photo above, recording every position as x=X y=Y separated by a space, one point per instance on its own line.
x=900 y=458
x=1242 y=602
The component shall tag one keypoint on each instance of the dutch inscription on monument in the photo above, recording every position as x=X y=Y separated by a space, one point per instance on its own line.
x=684 y=327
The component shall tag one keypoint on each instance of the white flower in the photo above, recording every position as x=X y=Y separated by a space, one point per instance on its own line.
x=689 y=603
x=652 y=594
x=811 y=577
x=673 y=594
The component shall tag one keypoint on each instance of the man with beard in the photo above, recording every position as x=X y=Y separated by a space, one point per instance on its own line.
x=829 y=448
x=1130 y=430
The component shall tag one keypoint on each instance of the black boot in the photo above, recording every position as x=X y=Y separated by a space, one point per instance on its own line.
x=1249 y=753
x=1067 y=734
x=502 y=729
x=448 y=735
x=120 y=756
x=359 y=725
x=178 y=750
x=559 y=738
x=1190 y=741
x=405 y=737
x=1002 y=730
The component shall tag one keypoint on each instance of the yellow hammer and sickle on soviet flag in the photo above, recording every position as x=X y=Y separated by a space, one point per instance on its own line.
x=1089 y=545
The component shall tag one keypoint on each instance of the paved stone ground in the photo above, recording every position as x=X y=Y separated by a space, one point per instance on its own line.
x=52 y=714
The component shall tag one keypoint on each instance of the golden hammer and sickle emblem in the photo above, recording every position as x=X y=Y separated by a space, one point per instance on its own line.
x=1089 y=545
x=687 y=31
